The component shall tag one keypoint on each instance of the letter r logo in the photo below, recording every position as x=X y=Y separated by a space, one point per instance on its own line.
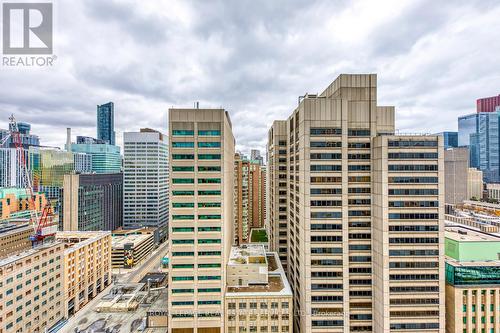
x=27 y=28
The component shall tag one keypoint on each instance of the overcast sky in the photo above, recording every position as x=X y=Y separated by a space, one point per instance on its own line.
x=254 y=58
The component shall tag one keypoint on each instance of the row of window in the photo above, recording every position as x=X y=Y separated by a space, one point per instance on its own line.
x=200 y=168
x=413 y=180
x=200 y=253
x=201 y=278
x=253 y=305
x=200 y=132
x=187 y=266
x=200 y=290
x=200 y=156
x=200 y=181
x=200 y=241
x=200 y=217
x=200 y=229
x=409 y=143
x=413 y=167
x=215 y=144
x=201 y=192
x=200 y=204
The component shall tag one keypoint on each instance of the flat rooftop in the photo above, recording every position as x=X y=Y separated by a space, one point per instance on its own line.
x=119 y=241
x=461 y=234
x=79 y=239
x=7 y=229
x=240 y=255
x=277 y=282
x=487 y=263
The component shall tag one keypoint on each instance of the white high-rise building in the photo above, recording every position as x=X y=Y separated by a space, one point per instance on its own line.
x=145 y=179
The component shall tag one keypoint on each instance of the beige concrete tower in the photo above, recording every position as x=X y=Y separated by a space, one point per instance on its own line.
x=330 y=211
x=408 y=233
x=201 y=212
x=277 y=186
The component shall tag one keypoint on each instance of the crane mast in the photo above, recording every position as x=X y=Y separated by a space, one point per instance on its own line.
x=42 y=224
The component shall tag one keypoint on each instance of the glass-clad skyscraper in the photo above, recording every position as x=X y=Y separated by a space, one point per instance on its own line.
x=480 y=132
x=106 y=123
x=450 y=139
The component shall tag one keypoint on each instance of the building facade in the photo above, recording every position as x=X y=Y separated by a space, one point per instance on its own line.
x=105 y=158
x=450 y=139
x=11 y=173
x=201 y=217
x=487 y=104
x=480 y=132
x=14 y=203
x=364 y=210
x=92 y=202
x=472 y=281
x=83 y=162
x=32 y=289
x=249 y=196
x=277 y=182
x=258 y=296
x=14 y=238
x=87 y=267
x=145 y=179
x=106 y=123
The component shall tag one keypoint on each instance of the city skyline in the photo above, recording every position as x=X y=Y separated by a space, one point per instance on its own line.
x=430 y=69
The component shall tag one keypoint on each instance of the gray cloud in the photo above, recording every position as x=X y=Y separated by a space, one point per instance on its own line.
x=254 y=58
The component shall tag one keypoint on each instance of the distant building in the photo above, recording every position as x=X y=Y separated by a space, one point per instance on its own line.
x=258 y=293
x=83 y=162
x=27 y=139
x=32 y=289
x=487 y=104
x=145 y=179
x=472 y=280
x=450 y=139
x=493 y=191
x=460 y=182
x=49 y=167
x=249 y=197
x=92 y=202
x=106 y=123
x=255 y=156
x=106 y=158
x=89 y=140
x=130 y=249
x=11 y=173
x=87 y=267
x=14 y=203
x=480 y=132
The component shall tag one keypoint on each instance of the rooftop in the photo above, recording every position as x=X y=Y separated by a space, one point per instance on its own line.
x=462 y=234
x=78 y=239
x=119 y=241
x=247 y=254
x=277 y=281
x=258 y=236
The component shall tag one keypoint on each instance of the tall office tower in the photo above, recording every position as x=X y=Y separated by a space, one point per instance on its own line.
x=277 y=190
x=92 y=202
x=145 y=179
x=487 y=104
x=339 y=146
x=106 y=123
x=201 y=217
x=480 y=132
x=249 y=198
x=460 y=182
x=407 y=233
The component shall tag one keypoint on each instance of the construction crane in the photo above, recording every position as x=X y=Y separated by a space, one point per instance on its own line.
x=43 y=224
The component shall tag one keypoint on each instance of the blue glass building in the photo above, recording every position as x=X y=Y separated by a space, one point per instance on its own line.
x=480 y=132
x=106 y=123
x=105 y=158
x=27 y=139
x=450 y=139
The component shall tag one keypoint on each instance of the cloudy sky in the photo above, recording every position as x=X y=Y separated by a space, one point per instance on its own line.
x=433 y=60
